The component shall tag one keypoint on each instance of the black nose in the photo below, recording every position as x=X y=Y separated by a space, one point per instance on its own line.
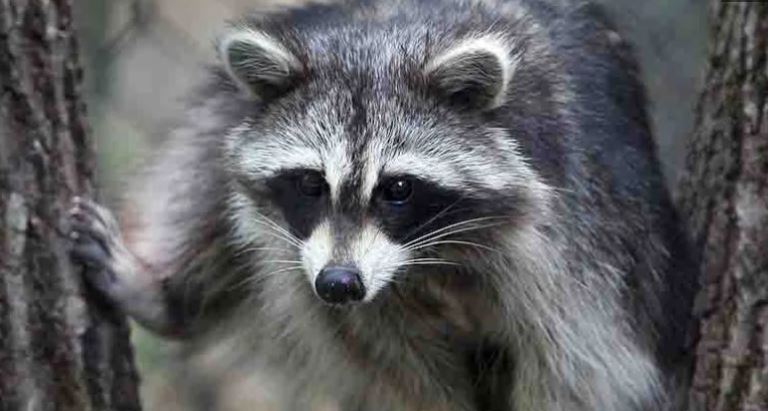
x=338 y=285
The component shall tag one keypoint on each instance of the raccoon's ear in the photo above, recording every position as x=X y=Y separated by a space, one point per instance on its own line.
x=475 y=72
x=258 y=63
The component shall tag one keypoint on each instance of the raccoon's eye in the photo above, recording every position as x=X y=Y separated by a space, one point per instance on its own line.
x=398 y=191
x=311 y=184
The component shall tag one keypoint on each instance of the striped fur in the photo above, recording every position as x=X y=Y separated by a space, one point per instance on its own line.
x=552 y=276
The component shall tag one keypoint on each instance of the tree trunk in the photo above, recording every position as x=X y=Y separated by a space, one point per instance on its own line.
x=56 y=352
x=724 y=195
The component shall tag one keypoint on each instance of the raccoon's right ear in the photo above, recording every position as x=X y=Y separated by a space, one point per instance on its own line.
x=258 y=63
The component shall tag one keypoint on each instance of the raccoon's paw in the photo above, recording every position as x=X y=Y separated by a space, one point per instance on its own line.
x=110 y=267
x=95 y=244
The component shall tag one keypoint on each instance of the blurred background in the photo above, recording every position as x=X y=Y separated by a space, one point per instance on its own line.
x=142 y=56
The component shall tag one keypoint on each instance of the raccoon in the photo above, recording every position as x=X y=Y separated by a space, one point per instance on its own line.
x=414 y=205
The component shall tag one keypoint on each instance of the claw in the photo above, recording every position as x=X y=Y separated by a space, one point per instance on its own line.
x=92 y=231
x=93 y=240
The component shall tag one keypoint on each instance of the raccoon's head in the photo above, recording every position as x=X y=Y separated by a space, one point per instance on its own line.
x=373 y=158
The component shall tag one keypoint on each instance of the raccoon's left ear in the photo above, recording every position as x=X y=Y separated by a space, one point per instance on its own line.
x=260 y=64
x=475 y=72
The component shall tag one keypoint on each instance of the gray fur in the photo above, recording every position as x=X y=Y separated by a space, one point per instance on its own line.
x=571 y=272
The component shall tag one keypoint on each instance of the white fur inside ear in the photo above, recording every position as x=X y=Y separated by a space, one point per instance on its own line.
x=257 y=61
x=482 y=62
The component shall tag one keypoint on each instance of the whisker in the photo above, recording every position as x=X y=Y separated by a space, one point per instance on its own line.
x=448 y=227
x=421 y=261
x=458 y=242
x=451 y=226
x=265 y=249
x=262 y=276
x=245 y=250
x=279 y=233
x=413 y=260
x=280 y=228
x=271 y=231
x=282 y=261
x=431 y=263
x=411 y=247
x=272 y=273
x=435 y=217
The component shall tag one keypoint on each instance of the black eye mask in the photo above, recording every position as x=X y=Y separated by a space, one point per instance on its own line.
x=303 y=196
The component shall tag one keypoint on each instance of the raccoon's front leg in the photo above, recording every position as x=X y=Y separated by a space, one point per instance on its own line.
x=113 y=270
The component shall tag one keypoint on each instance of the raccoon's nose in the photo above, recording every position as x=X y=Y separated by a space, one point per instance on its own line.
x=339 y=285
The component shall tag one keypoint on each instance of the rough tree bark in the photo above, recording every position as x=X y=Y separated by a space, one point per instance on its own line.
x=56 y=352
x=724 y=194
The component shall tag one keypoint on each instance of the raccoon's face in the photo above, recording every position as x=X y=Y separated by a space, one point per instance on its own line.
x=370 y=166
